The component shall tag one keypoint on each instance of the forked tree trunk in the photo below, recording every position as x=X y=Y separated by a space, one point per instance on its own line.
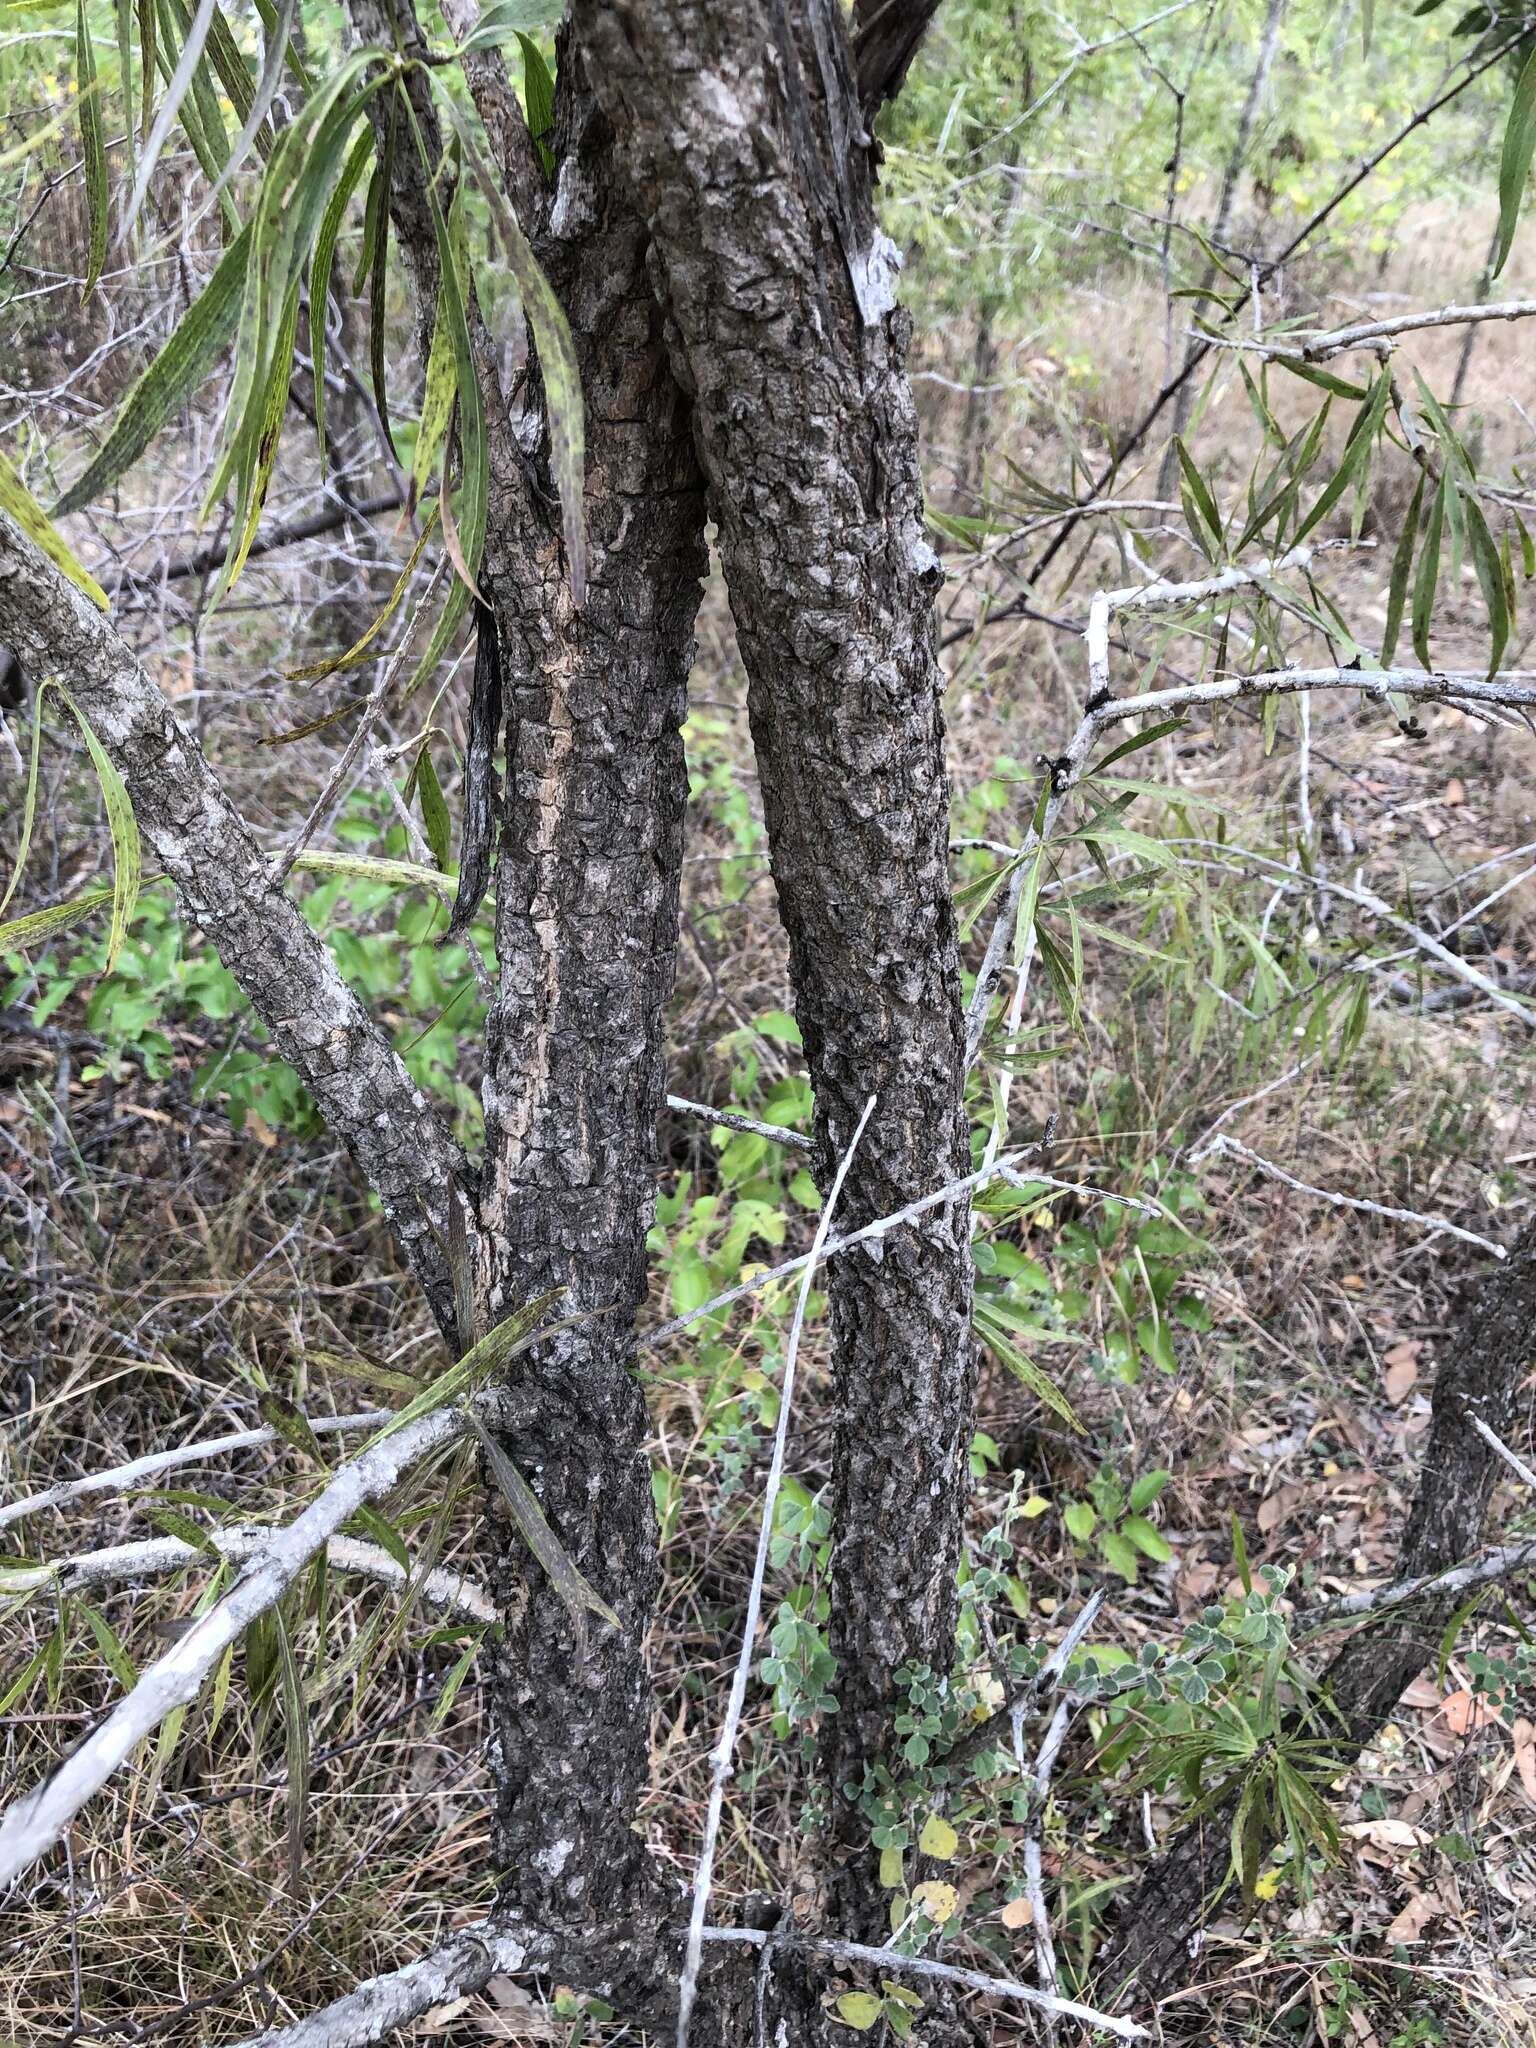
x=741 y=130
x=1154 y=1933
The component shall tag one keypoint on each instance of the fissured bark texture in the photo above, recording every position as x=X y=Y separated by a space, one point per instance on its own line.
x=586 y=935
x=740 y=129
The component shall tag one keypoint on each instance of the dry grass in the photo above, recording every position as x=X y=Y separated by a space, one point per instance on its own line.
x=159 y=1263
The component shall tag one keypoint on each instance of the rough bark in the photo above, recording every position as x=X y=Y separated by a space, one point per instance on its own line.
x=586 y=936
x=741 y=132
x=360 y=1086
x=1152 y=1936
x=588 y=862
x=886 y=38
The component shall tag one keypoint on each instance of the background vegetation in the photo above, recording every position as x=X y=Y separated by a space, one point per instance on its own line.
x=1235 y=1375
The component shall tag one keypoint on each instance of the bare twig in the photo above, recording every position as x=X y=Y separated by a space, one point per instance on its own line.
x=1014 y=1712
x=725 y=1749
x=202 y=561
x=1316 y=348
x=123 y=1478
x=775 y=1133
x=392 y=2000
x=898 y=1965
x=1501 y=1562
x=33 y=1824
x=1034 y=1875
x=871 y=1232
x=1162 y=595
x=1435 y=1225
x=1515 y=1463
x=158 y=1555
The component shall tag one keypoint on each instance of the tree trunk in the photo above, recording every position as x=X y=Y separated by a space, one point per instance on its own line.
x=588 y=857
x=741 y=130
x=586 y=937
x=1154 y=1932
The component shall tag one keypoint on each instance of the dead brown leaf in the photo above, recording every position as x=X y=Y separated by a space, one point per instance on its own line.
x=1400 y=1371
x=1410 y=1923
x=1524 y=1736
x=1463 y=1712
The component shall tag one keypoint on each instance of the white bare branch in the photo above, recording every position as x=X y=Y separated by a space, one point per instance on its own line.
x=125 y=1478
x=732 y=1121
x=157 y=1556
x=383 y=2004
x=1316 y=348
x=1435 y=1225
x=897 y=1965
x=724 y=1754
x=32 y=1825
x=1163 y=596
x=1515 y=1463
x=871 y=1233
x=1501 y=1562
x=468 y=1960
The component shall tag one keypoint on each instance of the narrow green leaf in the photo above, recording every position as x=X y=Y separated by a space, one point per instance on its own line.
x=1402 y=563
x=992 y=1329
x=170 y=379
x=1515 y=162
x=376 y=256
x=34 y=522
x=485 y=1357
x=127 y=854
x=175 y=93
x=383 y=1532
x=322 y=267
x=124 y=11
x=93 y=147
x=538 y=101
x=1490 y=578
x=26 y=1678
x=363 y=650
x=113 y=1655
x=1429 y=572
x=1200 y=492
x=148 y=64
x=577 y=1592
x=1355 y=460
x=435 y=821
x=295 y=1747
x=363 y=867
x=290 y=1422
x=269 y=430
x=39 y=925
x=1324 y=380
x=557 y=362
x=442 y=375
x=170 y=1522
x=1137 y=741
x=453 y=1682
x=255 y=127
